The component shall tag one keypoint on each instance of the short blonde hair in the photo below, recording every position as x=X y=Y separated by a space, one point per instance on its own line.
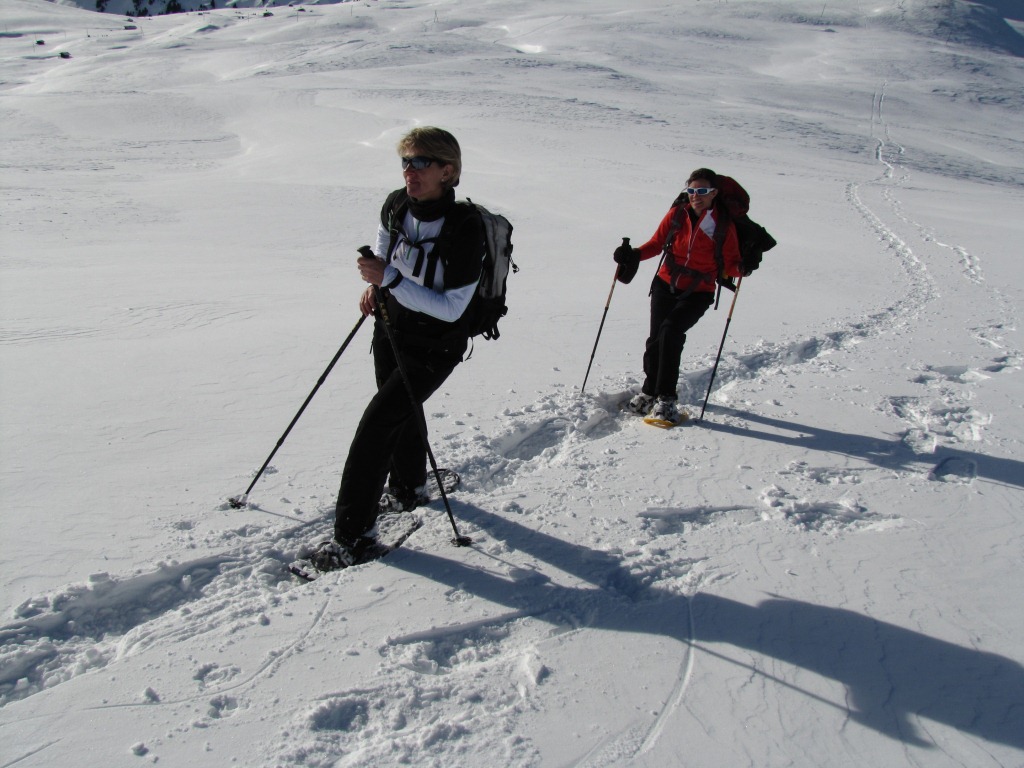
x=435 y=143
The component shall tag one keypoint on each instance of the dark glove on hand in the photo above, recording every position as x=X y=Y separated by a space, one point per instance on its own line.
x=627 y=256
x=750 y=260
x=628 y=260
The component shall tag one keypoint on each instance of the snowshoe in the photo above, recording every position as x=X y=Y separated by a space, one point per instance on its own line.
x=665 y=414
x=333 y=555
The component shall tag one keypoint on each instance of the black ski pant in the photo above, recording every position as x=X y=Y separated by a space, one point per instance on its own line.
x=672 y=315
x=388 y=439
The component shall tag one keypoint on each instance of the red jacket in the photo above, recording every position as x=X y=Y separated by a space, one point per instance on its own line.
x=693 y=247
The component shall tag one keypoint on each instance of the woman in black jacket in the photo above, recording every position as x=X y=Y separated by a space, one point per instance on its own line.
x=427 y=274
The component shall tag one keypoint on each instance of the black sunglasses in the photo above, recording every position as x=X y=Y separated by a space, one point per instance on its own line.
x=417 y=163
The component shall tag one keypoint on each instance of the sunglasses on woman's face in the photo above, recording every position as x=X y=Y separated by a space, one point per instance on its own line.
x=699 y=190
x=417 y=163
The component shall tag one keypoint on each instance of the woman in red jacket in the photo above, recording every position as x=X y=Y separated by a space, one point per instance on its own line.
x=684 y=286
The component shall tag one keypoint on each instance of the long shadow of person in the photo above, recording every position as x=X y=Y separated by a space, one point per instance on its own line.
x=893 y=676
x=887 y=453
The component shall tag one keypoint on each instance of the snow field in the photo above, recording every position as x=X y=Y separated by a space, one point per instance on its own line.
x=821 y=572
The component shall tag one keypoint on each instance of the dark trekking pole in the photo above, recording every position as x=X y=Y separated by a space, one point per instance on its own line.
x=625 y=242
x=237 y=502
x=417 y=407
x=718 y=357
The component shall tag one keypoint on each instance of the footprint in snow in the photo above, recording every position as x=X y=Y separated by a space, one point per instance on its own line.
x=954 y=469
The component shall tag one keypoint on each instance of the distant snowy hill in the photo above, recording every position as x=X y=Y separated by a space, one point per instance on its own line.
x=973 y=22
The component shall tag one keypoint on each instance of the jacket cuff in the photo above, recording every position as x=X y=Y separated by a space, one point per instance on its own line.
x=392 y=277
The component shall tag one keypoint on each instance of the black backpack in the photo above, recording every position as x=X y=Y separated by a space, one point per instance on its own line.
x=488 y=304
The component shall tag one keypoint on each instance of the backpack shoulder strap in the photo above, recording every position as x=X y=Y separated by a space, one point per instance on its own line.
x=679 y=206
x=391 y=215
x=456 y=216
x=723 y=218
x=395 y=203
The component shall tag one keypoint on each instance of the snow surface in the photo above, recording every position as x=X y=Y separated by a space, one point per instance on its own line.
x=825 y=571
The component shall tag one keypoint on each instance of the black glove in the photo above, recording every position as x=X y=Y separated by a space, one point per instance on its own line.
x=750 y=259
x=754 y=241
x=628 y=259
x=627 y=255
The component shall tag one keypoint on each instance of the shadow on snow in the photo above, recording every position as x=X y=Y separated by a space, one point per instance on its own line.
x=889 y=454
x=892 y=675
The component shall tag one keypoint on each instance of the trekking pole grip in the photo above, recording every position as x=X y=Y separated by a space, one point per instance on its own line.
x=366 y=252
x=625 y=244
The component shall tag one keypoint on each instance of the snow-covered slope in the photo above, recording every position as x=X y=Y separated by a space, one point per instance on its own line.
x=822 y=572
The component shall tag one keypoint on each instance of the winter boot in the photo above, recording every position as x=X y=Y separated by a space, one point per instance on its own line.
x=402 y=499
x=392 y=503
x=665 y=410
x=333 y=555
x=640 y=404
